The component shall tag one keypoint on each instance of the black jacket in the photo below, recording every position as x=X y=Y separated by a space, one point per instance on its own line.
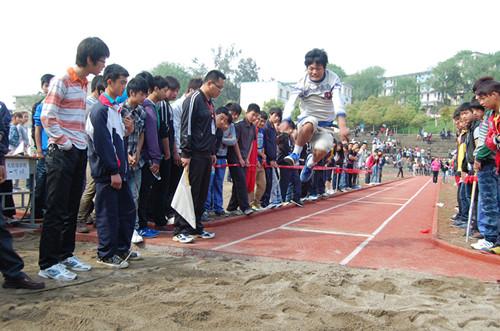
x=198 y=125
x=4 y=131
x=270 y=141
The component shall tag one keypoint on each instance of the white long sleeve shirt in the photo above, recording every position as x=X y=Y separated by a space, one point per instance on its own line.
x=322 y=100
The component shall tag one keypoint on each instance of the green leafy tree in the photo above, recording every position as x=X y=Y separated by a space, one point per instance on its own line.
x=366 y=83
x=337 y=69
x=236 y=70
x=173 y=69
x=446 y=112
x=418 y=120
x=407 y=91
x=273 y=103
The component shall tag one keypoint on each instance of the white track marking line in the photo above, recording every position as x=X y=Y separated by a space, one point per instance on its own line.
x=361 y=246
x=391 y=198
x=300 y=219
x=381 y=203
x=326 y=232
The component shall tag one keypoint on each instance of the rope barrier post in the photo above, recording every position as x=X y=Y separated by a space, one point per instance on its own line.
x=471 y=209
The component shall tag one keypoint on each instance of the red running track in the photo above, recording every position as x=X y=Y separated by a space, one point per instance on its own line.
x=378 y=227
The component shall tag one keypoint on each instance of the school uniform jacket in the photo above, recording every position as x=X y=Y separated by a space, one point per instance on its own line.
x=107 y=147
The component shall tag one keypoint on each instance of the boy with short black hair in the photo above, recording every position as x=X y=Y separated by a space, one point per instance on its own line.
x=160 y=198
x=488 y=95
x=155 y=132
x=63 y=118
x=114 y=205
x=41 y=143
x=321 y=102
x=137 y=91
x=270 y=136
x=256 y=195
x=245 y=134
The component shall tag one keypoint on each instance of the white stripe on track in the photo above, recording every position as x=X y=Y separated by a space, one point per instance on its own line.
x=361 y=246
x=302 y=218
x=326 y=232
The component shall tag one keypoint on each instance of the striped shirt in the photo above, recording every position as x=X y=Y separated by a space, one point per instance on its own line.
x=482 y=151
x=63 y=112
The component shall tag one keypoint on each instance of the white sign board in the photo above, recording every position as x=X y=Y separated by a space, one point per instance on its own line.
x=17 y=168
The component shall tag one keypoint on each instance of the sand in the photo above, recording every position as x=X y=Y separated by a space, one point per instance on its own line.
x=165 y=292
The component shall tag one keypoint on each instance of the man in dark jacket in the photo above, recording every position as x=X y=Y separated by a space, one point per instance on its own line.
x=11 y=265
x=198 y=144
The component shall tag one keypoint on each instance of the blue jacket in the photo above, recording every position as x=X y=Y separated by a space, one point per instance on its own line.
x=38 y=122
x=107 y=148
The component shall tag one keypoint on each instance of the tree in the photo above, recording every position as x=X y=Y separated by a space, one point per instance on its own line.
x=419 y=120
x=366 y=83
x=173 y=69
x=273 y=103
x=406 y=91
x=248 y=71
x=236 y=70
x=337 y=69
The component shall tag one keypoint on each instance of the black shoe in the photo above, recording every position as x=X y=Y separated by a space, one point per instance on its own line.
x=24 y=282
x=297 y=203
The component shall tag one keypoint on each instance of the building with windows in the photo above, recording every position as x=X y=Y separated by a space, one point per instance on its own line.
x=429 y=98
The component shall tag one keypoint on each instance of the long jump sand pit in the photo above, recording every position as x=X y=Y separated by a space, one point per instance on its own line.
x=165 y=292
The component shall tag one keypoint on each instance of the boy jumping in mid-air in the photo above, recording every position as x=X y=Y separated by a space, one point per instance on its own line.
x=321 y=102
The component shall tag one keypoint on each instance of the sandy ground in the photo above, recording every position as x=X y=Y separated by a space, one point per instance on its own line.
x=164 y=292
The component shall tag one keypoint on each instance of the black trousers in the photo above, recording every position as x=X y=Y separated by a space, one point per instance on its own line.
x=264 y=201
x=6 y=187
x=175 y=176
x=239 y=195
x=10 y=263
x=199 y=179
x=400 y=171
x=159 y=194
x=147 y=181
x=435 y=175
x=115 y=219
x=65 y=178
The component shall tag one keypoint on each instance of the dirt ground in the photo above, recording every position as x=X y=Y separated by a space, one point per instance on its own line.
x=164 y=292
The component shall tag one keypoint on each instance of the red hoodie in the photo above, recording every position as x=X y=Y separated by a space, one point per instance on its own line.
x=493 y=131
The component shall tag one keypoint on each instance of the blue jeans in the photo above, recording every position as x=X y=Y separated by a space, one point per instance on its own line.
x=215 y=189
x=134 y=182
x=375 y=174
x=463 y=203
x=40 y=187
x=489 y=205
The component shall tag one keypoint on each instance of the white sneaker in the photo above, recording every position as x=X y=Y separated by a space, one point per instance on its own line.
x=482 y=245
x=136 y=237
x=57 y=272
x=75 y=264
x=183 y=239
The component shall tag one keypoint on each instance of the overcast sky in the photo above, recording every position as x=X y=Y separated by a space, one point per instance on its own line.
x=40 y=37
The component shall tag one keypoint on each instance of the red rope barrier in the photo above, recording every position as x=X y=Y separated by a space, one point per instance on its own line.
x=336 y=169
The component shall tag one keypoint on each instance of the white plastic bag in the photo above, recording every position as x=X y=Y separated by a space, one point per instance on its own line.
x=183 y=200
